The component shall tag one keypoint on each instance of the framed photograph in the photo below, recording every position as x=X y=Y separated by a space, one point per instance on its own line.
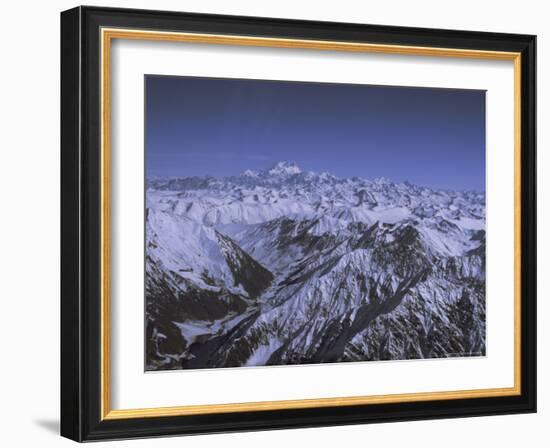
x=275 y=224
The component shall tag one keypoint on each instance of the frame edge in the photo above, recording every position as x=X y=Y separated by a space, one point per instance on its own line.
x=71 y=378
x=529 y=222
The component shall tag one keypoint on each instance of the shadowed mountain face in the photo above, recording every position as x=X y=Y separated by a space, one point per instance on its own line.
x=291 y=267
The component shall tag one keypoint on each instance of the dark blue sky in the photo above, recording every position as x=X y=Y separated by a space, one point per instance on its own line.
x=220 y=127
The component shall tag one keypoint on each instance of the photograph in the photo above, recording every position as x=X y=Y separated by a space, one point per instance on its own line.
x=282 y=219
x=291 y=222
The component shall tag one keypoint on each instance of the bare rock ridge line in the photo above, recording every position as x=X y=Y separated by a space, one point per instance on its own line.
x=285 y=266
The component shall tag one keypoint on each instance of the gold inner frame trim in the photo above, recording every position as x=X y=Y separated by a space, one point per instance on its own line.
x=107 y=35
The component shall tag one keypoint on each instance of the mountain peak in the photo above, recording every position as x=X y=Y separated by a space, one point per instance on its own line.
x=249 y=173
x=285 y=168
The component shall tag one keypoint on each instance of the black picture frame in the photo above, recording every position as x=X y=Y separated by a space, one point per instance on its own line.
x=81 y=414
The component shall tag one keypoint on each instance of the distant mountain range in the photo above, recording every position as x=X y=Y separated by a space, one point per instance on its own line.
x=284 y=266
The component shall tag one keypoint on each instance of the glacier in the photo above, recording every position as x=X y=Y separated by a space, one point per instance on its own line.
x=285 y=266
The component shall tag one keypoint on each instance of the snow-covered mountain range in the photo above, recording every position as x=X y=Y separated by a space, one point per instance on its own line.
x=285 y=266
